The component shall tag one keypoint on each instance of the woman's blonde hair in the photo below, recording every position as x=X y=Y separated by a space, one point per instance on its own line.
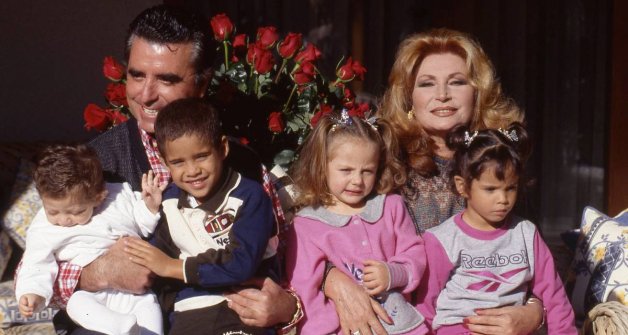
x=310 y=170
x=492 y=109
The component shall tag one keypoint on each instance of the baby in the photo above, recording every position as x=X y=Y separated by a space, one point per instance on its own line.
x=82 y=216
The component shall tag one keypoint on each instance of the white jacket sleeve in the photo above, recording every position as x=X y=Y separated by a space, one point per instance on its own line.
x=39 y=268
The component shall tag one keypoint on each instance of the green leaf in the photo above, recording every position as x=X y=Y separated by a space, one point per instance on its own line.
x=263 y=81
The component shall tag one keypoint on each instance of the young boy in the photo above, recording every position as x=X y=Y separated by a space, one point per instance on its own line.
x=219 y=226
x=81 y=218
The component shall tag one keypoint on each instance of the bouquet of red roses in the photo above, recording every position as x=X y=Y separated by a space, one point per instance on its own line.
x=271 y=90
x=268 y=89
x=117 y=111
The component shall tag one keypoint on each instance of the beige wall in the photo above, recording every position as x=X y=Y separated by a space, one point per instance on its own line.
x=51 y=56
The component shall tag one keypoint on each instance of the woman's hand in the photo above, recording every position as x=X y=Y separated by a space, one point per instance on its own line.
x=356 y=310
x=266 y=305
x=511 y=320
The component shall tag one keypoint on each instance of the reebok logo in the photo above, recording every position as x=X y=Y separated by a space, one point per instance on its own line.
x=496 y=260
x=493 y=281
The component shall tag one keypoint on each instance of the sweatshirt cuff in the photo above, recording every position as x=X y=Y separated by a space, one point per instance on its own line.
x=185 y=273
x=398 y=275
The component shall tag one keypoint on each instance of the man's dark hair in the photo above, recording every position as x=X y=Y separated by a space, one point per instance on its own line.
x=190 y=116
x=165 y=24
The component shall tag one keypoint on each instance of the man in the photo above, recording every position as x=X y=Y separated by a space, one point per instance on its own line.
x=169 y=55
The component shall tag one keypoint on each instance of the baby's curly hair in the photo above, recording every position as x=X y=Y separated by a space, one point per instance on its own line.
x=64 y=170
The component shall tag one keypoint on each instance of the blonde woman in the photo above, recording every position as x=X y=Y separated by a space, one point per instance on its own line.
x=440 y=79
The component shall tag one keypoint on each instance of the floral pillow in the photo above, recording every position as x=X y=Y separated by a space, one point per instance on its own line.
x=24 y=204
x=9 y=313
x=5 y=251
x=600 y=269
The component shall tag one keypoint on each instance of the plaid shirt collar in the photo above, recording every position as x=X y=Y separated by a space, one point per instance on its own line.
x=154 y=158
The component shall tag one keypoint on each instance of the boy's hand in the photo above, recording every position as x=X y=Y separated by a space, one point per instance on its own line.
x=30 y=303
x=145 y=254
x=376 y=277
x=151 y=191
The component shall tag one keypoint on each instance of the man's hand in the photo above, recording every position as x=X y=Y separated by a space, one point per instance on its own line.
x=264 y=307
x=114 y=270
x=510 y=320
x=356 y=310
x=30 y=303
x=151 y=191
x=376 y=277
x=145 y=254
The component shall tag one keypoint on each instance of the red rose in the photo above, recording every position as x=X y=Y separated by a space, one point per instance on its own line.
x=252 y=53
x=275 y=122
x=116 y=94
x=338 y=85
x=324 y=110
x=309 y=54
x=345 y=72
x=96 y=117
x=359 y=110
x=290 y=45
x=348 y=99
x=117 y=117
x=358 y=69
x=267 y=36
x=304 y=74
x=261 y=59
x=239 y=48
x=239 y=41
x=112 y=69
x=350 y=69
x=265 y=62
x=222 y=27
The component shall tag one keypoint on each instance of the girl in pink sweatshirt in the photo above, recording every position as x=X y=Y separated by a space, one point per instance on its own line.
x=484 y=257
x=347 y=220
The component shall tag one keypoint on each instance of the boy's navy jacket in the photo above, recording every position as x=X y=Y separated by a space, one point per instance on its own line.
x=225 y=241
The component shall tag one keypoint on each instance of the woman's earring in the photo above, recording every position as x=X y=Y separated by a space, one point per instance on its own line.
x=411 y=114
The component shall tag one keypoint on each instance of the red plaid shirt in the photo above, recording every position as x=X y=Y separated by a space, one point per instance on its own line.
x=69 y=274
x=64 y=286
x=280 y=218
x=154 y=158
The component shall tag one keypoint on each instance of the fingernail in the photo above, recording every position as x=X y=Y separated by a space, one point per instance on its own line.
x=465 y=321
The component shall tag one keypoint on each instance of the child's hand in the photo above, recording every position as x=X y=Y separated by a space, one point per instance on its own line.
x=376 y=277
x=30 y=303
x=143 y=253
x=151 y=191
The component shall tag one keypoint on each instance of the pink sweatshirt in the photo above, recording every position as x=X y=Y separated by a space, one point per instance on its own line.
x=383 y=231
